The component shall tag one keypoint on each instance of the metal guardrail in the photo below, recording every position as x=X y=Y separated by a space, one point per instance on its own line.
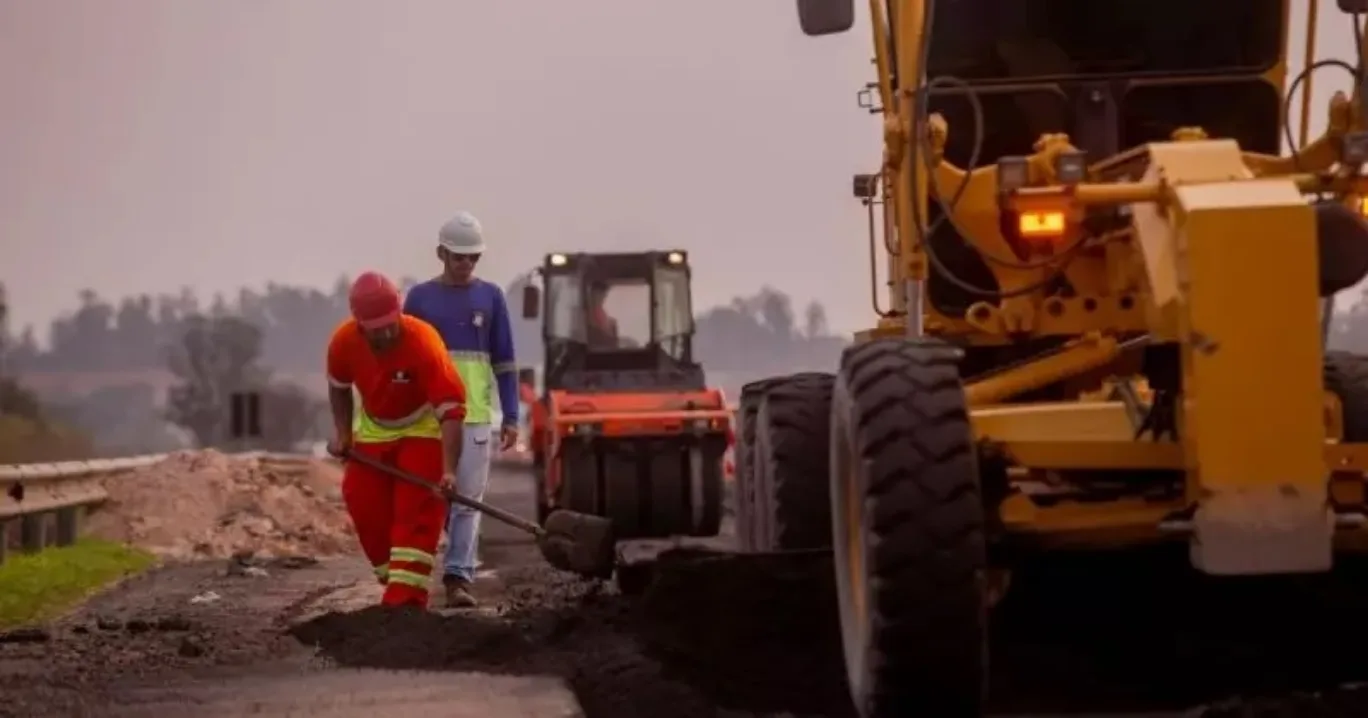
x=35 y=494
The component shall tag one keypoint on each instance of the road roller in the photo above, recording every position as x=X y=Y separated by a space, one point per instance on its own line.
x=630 y=429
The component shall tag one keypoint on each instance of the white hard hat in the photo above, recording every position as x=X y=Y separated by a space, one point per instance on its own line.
x=462 y=234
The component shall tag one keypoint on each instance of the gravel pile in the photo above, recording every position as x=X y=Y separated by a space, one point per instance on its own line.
x=206 y=504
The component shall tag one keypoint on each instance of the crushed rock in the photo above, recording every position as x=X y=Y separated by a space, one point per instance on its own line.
x=207 y=504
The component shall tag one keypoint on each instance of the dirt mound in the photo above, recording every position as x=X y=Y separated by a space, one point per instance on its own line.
x=1083 y=633
x=205 y=504
x=757 y=635
x=550 y=624
x=746 y=626
x=693 y=642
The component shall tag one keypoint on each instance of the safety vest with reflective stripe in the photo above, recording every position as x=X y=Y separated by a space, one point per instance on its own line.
x=421 y=424
x=477 y=374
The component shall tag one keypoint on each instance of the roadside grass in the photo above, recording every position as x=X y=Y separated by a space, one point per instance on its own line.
x=39 y=586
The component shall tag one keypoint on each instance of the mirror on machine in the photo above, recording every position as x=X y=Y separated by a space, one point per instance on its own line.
x=827 y=17
x=1353 y=6
x=531 y=301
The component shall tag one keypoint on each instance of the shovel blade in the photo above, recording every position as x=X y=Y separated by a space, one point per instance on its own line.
x=579 y=543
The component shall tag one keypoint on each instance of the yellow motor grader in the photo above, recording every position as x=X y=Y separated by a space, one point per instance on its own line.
x=1109 y=293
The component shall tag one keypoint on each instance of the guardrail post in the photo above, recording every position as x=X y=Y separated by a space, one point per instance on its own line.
x=69 y=525
x=33 y=532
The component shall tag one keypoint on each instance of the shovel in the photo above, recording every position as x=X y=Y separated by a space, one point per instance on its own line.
x=574 y=542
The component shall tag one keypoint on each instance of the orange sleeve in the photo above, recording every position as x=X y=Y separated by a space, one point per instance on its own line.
x=340 y=348
x=443 y=386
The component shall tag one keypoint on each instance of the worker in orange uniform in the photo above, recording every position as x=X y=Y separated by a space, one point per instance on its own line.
x=410 y=415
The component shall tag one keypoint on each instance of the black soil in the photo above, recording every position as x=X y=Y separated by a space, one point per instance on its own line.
x=168 y=624
x=757 y=635
x=549 y=626
x=750 y=635
x=737 y=636
x=710 y=633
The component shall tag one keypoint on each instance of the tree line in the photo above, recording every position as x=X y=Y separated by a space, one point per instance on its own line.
x=133 y=333
x=217 y=348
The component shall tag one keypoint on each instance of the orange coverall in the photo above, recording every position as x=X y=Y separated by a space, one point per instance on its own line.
x=405 y=393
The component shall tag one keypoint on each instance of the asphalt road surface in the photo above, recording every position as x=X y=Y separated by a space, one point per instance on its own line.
x=743 y=638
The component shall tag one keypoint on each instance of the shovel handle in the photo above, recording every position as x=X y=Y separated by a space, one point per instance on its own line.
x=493 y=512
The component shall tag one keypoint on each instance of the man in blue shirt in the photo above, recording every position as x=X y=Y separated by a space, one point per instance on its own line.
x=472 y=317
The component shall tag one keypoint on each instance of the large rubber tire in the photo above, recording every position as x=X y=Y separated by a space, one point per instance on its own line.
x=709 y=520
x=646 y=494
x=626 y=501
x=792 y=440
x=743 y=477
x=908 y=532
x=579 y=489
x=1346 y=376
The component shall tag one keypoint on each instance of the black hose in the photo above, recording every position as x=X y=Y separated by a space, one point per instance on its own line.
x=1295 y=85
x=919 y=125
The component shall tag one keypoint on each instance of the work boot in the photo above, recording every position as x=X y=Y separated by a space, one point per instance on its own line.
x=458 y=593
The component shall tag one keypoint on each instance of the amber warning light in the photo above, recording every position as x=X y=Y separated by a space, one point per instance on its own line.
x=1040 y=216
x=1041 y=225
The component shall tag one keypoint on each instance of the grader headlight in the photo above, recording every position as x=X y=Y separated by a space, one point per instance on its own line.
x=1354 y=149
x=1013 y=173
x=1071 y=167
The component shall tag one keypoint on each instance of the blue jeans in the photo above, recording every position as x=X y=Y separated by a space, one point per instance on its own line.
x=463 y=524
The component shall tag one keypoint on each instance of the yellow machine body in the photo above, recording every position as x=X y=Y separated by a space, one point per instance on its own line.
x=1213 y=228
x=1101 y=341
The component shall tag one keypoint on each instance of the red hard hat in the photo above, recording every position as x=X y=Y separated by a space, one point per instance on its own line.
x=374 y=300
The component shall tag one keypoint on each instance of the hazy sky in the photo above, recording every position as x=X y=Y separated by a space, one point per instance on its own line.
x=150 y=144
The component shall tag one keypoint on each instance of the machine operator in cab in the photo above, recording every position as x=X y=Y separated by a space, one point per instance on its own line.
x=409 y=415
x=471 y=315
x=602 y=329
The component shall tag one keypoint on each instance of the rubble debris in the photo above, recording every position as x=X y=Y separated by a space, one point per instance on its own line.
x=26 y=635
x=190 y=647
x=247 y=563
x=210 y=505
x=708 y=646
x=716 y=618
x=172 y=624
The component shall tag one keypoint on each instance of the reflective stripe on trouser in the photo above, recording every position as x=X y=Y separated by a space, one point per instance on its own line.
x=463 y=524
x=411 y=566
x=397 y=524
